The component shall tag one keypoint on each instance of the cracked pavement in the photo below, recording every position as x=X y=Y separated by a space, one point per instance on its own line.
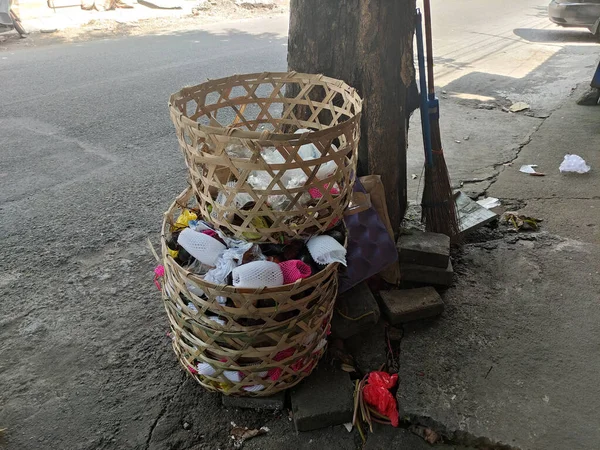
x=512 y=361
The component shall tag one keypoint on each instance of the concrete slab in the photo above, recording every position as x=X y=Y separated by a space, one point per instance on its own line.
x=369 y=348
x=570 y=129
x=407 y=305
x=272 y=403
x=512 y=359
x=356 y=310
x=324 y=399
x=477 y=159
x=427 y=249
x=415 y=273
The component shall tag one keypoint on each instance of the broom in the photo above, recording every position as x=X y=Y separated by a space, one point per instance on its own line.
x=438 y=206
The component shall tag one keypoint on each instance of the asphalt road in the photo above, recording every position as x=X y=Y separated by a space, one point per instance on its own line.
x=89 y=161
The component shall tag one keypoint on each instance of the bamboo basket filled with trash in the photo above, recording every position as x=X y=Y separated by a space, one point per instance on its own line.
x=271 y=156
x=254 y=340
x=249 y=272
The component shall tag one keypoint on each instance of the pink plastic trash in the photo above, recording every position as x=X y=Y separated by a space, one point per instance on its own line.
x=294 y=270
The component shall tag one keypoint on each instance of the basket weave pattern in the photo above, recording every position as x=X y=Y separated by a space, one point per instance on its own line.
x=273 y=336
x=252 y=112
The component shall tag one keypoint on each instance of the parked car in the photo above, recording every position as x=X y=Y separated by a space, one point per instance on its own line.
x=583 y=14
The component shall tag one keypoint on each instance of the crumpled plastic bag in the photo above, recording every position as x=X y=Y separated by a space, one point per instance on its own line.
x=376 y=393
x=228 y=260
x=293 y=178
x=574 y=163
x=182 y=221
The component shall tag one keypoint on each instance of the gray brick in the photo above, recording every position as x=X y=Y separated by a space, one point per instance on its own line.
x=369 y=348
x=274 y=402
x=324 y=399
x=356 y=310
x=425 y=249
x=427 y=275
x=406 y=305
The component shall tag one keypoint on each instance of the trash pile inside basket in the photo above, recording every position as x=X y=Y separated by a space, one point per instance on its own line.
x=222 y=260
x=260 y=180
x=229 y=264
x=256 y=380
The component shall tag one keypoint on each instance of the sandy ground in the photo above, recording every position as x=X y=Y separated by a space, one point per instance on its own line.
x=92 y=25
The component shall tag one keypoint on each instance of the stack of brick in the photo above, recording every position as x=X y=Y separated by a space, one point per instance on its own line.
x=425 y=258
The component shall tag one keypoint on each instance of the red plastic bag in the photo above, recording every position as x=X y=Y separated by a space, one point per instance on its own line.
x=383 y=379
x=376 y=394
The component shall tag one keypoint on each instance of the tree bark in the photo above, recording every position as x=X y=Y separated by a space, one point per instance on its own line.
x=369 y=45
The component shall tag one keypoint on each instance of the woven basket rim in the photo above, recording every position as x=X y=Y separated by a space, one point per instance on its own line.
x=270 y=136
x=226 y=287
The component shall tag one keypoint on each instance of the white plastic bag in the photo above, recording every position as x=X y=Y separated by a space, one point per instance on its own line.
x=226 y=262
x=574 y=163
x=292 y=178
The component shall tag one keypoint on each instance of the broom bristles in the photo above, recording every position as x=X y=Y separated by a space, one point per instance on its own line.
x=438 y=206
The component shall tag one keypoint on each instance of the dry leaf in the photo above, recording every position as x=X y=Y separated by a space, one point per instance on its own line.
x=348 y=368
x=241 y=434
x=521 y=222
x=426 y=434
x=431 y=436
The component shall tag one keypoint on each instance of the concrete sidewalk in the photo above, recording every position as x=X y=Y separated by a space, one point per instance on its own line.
x=515 y=358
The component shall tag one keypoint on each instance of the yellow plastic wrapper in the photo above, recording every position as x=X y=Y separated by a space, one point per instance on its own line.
x=183 y=220
x=174 y=253
x=258 y=222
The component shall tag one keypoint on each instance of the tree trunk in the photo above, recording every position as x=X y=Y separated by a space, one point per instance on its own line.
x=369 y=45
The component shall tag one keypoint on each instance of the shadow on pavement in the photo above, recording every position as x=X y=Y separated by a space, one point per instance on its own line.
x=503 y=90
x=579 y=35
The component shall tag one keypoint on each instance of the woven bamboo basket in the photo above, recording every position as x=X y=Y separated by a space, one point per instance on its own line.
x=259 y=113
x=273 y=336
